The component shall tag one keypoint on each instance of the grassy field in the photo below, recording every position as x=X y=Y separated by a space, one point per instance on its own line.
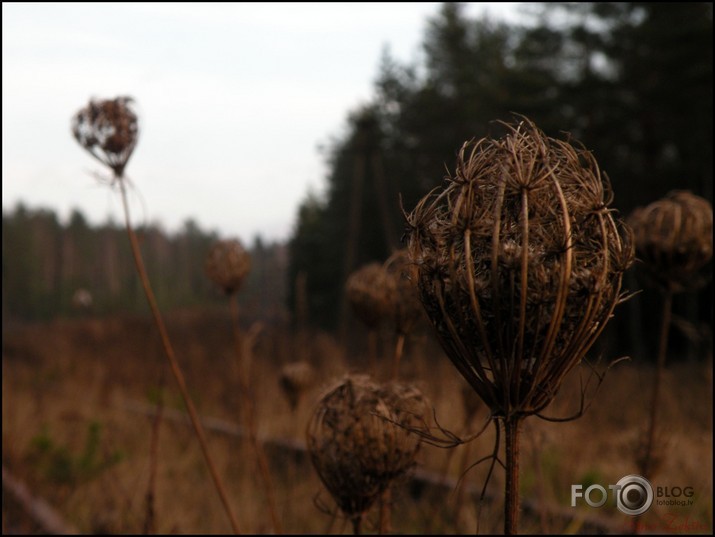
x=74 y=432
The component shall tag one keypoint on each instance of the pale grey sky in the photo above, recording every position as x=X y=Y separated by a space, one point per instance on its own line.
x=233 y=100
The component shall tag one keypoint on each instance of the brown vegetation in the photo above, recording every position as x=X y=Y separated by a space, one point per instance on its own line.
x=60 y=378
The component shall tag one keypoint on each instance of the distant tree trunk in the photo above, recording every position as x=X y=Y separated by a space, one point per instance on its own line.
x=353 y=228
x=380 y=182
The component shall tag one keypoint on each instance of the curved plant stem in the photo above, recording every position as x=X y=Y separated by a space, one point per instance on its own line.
x=511 y=490
x=463 y=479
x=659 y=371
x=244 y=376
x=175 y=368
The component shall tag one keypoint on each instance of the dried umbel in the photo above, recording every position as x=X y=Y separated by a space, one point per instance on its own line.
x=359 y=441
x=295 y=378
x=109 y=130
x=674 y=238
x=367 y=289
x=405 y=305
x=227 y=265
x=520 y=263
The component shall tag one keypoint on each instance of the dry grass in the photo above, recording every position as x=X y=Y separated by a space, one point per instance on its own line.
x=61 y=377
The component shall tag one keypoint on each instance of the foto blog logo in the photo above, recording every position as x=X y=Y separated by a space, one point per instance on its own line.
x=633 y=495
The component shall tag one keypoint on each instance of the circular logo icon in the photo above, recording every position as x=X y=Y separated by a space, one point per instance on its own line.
x=634 y=495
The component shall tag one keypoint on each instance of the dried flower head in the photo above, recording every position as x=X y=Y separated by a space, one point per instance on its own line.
x=674 y=238
x=109 y=130
x=359 y=441
x=405 y=305
x=520 y=263
x=294 y=379
x=368 y=291
x=227 y=265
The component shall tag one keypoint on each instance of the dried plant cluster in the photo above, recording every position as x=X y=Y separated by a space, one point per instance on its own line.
x=227 y=265
x=109 y=130
x=406 y=308
x=674 y=238
x=294 y=379
x=359 y=441
x=520 y=263
x=367 y=290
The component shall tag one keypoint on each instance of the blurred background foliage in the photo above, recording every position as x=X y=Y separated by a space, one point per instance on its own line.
x=631 y=81
x=47 y=266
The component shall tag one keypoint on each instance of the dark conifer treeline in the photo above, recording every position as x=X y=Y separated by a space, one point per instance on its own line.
x=631 y=81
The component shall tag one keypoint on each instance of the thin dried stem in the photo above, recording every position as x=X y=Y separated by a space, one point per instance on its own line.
x=399 y=347
x=174 y=364
x=647 y=463
x=109 y=131
x=511 y=487
x=248 y=404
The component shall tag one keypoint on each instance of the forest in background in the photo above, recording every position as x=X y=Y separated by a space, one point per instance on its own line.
x=631 y=81
x=46 y=262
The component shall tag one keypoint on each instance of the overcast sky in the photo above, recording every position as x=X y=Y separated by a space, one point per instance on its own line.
x=234 y=100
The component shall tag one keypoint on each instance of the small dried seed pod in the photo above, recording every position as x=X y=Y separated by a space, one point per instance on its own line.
x=674 y=238
x=520 y=263
x=358 y=439
x=405 y=305
x=227 y=265
x=295 y=378
x=368 y=291
x=109 y=130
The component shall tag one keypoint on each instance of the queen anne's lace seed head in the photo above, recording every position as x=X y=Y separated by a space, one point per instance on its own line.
x=294 y=379
x=109 y=130
x=368 y=292
x=519 y=263
x=227 y=265
x=359 y=438
x=674 y=238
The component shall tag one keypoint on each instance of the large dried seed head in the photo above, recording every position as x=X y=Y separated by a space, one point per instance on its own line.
x=368 y=292
x=405 y=305
x=227 y=265
x=674 y=237
x=359 y=438
x=295 y=378
x=109 y=130
x=520 y=263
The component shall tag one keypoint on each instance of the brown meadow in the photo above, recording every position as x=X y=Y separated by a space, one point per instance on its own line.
x=77 y=426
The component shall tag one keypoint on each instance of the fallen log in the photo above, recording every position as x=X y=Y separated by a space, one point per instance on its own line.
x=41 y=512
